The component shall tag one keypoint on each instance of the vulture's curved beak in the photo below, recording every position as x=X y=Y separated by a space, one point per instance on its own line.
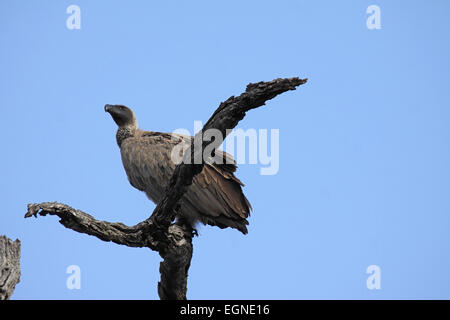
x=108 y=107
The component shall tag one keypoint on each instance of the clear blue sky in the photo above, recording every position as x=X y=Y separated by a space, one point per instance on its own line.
x=364 y=172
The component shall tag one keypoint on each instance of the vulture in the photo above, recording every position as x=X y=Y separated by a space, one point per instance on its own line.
x=215 y=196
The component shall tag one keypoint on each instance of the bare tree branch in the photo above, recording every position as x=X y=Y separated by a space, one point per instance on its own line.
x=82 y=222
x=172 y=241
x=9 y=266
x=226 y=117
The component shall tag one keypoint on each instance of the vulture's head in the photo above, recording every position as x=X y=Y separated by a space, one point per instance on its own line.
x=122 y=115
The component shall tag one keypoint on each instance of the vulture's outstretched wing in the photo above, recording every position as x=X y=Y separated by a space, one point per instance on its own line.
x=215 y=196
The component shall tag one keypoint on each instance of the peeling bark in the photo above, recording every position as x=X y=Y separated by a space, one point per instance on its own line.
x=9 y=266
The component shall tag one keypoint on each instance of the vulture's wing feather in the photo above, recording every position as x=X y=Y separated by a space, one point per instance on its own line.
x=146 y=160
x=215 y=196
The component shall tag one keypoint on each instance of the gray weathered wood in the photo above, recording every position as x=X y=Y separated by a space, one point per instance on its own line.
x=9 y=266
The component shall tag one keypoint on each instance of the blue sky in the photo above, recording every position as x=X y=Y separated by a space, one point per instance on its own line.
x=364 y=173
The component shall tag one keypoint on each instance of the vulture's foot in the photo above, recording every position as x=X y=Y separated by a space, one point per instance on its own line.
x=188 y=228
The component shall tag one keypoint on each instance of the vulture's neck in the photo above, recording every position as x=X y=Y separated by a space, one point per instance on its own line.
x=124 y=133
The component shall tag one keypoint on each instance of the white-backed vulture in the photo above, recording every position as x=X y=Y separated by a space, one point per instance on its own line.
x=215 y=196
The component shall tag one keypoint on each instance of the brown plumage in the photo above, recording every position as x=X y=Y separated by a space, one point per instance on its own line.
x=215 y=196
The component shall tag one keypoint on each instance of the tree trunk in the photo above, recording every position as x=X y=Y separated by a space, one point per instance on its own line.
x=9 y=266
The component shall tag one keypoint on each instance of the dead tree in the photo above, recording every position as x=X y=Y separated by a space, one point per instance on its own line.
x=9 y=266
x=158 y=232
